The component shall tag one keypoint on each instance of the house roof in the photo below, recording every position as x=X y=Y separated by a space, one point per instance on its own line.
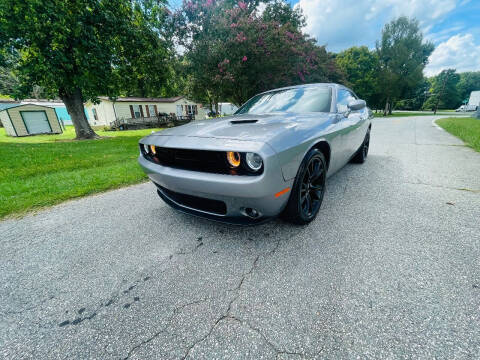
x=4 y=106
x=140 y=99
x=42 y=101
x=8 y=104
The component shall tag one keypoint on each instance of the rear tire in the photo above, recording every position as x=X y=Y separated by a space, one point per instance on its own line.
x=308 y=189
x=362 y=152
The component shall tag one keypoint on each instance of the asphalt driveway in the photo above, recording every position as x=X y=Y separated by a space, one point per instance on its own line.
x=390 y=269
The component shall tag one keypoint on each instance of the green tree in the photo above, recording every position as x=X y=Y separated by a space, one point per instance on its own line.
x=402 y=56
x=469 y=81
x=415 y=98
x=234 y=53
x=8 y=79
x=443 y=91
x=149 y=53
x=360 y=66
x=76 y=50
x=281 y=12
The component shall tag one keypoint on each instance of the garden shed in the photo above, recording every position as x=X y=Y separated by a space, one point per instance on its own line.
x=29 y=119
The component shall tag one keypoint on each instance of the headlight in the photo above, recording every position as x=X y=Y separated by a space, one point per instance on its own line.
x=149 y=149
x=233 y=159
x=254 y=161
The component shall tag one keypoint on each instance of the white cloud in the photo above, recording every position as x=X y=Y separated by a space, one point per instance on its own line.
x=341 y=24
x=459 y=52
x=445 y=33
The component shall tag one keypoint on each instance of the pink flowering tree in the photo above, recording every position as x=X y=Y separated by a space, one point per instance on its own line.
x=232 y=52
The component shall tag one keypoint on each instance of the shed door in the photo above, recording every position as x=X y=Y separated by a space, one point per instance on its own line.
x=36 y=122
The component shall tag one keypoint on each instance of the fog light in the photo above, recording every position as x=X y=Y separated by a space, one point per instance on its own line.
x=252 y=212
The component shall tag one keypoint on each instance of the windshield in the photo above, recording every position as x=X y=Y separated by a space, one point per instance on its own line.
x=297 y=100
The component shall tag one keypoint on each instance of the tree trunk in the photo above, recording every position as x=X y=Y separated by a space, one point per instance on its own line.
x=74 y=104
x=390 y=108
x=385 y=111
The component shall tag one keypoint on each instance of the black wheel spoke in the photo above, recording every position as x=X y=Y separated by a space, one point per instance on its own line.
x=308 y=174
x=312 y=187
x=308 y=204
x=303 y=188
x=304 y=204
x=317 y=171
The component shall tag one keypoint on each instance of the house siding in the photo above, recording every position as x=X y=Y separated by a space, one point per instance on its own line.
x=17 y=121
x=106 y=115
x=7 y=124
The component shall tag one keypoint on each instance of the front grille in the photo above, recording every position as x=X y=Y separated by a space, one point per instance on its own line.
x=196 y=202
x=195 y=160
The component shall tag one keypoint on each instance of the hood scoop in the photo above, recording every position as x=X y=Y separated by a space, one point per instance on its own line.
x=235 y=122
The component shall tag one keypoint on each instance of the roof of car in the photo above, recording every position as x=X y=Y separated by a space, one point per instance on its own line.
x=307 y=85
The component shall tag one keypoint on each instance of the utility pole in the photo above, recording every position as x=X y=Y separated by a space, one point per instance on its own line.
x=443 y=89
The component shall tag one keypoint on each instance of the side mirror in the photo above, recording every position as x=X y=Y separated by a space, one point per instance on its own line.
x=357 y=105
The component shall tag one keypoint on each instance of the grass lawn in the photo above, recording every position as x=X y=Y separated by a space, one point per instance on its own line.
x=402 y=114
x=43 y=170
x=467 y=129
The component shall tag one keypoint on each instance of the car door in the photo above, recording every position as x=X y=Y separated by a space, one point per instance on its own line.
x=352 y=121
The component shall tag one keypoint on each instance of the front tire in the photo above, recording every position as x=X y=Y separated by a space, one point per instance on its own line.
x=362 y=153
x=308 y=189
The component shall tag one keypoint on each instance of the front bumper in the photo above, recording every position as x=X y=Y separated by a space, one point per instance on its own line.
x=238 y=193
x=236 y=220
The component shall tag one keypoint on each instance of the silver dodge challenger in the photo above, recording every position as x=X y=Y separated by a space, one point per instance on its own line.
x=270 y=158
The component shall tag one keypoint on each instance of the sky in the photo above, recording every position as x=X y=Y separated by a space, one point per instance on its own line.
x=452 y=25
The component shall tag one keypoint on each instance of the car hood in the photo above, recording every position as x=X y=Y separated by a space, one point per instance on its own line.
x=249 y=127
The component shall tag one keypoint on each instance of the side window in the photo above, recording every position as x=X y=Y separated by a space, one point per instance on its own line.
x=136 y=111
x=151 y=110
x=343 y=98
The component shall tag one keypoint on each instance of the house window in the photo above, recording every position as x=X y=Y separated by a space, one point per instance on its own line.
x=191 y=109
x=94 y=111
x=179 y=110
x=151 y=110
x=136 y=111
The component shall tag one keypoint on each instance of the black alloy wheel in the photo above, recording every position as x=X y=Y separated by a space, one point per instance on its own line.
x=308 y=189
x=312 y=187
x=366 y=145
x=362 y=152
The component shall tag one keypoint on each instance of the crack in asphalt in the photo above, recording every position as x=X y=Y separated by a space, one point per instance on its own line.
x=277 y=351
x=170 y=319
x=117 y=295
x=30 y=308
x=229 y=308
x=228 y=314
x=38 y=304
x=178 y=309
x=443 y=187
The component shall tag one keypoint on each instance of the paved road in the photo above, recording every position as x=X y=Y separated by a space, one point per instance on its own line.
x=391 y=269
